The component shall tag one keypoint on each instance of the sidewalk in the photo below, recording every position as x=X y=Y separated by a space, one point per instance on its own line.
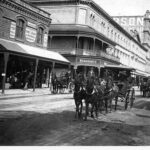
x=17 y=93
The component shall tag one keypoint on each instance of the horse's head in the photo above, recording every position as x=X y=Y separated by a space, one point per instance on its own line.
x=103 y=83
x=115 y=88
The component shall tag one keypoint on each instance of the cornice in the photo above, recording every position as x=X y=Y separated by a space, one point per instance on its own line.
x=23 y=10
x=91 y=4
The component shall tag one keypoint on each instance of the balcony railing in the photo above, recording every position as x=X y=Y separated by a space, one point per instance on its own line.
x=85 y=52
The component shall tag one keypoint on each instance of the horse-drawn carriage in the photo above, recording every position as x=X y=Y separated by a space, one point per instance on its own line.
x=122 y=77
x=115 y=83
x=62 y=82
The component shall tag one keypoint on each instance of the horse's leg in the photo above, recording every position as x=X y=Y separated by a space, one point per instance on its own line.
x=101 y=104
x=53 y=88
x=81 y=109
x=86 y=109
x=106 y=105
x=76 y=109
x=110 y=104
x=116 y=101
x=92 y=109
x=96 y=108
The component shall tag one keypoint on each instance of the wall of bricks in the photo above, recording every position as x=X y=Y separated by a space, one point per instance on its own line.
x=9 y=15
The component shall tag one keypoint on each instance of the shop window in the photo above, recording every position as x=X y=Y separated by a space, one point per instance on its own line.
x=40 y=35
x=20 y=27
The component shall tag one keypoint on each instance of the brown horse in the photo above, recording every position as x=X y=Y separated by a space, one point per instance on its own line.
x=79 y=95
x=90 y=96
x=111 y=92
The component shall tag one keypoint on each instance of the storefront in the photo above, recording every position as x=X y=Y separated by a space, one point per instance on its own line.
x=20 y=63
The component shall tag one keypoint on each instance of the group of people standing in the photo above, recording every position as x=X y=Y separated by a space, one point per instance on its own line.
x=145 y=87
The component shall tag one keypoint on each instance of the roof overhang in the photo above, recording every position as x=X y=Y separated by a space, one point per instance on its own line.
x=119 y=67
x=141 y=73
x=77 y=29
x=20 y=48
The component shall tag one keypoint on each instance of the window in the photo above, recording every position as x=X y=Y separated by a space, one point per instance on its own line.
x=40 y=35
x=20 y=27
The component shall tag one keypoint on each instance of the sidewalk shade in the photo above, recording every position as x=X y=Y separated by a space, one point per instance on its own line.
x=6 y=45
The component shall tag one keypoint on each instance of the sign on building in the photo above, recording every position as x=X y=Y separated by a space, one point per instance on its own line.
x=30 y=34
x=131 y=23
x=45 y=40
x=12 y=29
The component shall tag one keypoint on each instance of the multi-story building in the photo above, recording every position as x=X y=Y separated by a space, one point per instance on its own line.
x=23 y=46
x=146 y=41
x=86 y=35
x=138 y=25
x=133 y=24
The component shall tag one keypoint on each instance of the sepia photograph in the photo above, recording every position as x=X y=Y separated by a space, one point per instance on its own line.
x=75 y=74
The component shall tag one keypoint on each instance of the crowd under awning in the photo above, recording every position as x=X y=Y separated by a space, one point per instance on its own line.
x=119 y=67
x=20 y=48
x=8 y=47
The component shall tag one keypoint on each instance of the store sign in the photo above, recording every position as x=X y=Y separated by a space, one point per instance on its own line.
x=87 y=61
x=30 y=34
x=130 y=21
x=12 y=30
x=45 y=40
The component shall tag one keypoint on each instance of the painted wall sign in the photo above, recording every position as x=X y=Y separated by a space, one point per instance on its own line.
x=30 y=24
x=64 y=15
x=45 y=40
x=12 y=29
x=82 y=16
x=129 y=21
x=30 y=34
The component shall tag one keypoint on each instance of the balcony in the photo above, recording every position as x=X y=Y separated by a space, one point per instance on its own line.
x=85 y=52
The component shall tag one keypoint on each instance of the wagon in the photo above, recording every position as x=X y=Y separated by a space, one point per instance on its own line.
x=122 y=77
x=62 y=82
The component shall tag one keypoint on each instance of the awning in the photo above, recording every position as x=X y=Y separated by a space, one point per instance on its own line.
x=119 y=67
x=6 y=45
x=141 y=73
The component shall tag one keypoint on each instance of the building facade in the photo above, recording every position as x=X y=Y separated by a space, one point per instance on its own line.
x=146 y=42
x=86 y=35
x=138 y=25
x=23 y=46
x=133 y=24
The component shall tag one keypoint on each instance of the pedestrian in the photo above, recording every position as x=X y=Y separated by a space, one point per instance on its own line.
x=28 y=80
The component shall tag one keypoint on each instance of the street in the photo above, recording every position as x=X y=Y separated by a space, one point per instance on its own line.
x=50 y=120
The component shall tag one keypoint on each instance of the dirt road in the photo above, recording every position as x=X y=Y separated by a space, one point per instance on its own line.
x=51 y=122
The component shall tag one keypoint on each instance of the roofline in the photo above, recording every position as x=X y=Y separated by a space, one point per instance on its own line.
x=128 y=16
x=95 y=6
x=31 y=7
x=116 y=24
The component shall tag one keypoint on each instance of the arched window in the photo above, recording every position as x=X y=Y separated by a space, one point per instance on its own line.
x=20 y=28
x=40 y=34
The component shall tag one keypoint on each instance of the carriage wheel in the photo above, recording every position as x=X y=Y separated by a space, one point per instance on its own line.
x=127 y=100
x=132 y=98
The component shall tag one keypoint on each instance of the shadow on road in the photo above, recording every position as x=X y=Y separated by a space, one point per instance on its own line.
x=32 y=128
